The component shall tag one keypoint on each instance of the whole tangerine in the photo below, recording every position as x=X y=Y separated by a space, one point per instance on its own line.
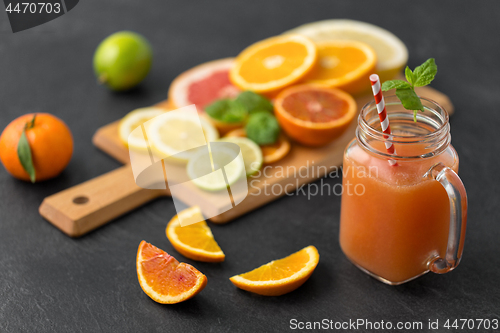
x=50 y=141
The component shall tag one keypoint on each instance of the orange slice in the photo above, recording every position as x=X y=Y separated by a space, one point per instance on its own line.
x=194 y=241
x=273 y=63
x=280 y=276
x=314 y=115
x=270 y=153
x=392 y=53
x=164 y=279
x=343 y=64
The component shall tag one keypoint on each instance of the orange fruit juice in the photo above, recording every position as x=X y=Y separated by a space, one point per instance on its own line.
x=393 y=220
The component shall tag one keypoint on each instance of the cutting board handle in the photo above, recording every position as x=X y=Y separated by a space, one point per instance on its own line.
x=89 y=205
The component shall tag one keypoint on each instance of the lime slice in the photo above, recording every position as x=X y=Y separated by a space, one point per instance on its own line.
x=131 y=121
x=174 y=135
x=252 y=154
x=206 y=169
x=392 y=53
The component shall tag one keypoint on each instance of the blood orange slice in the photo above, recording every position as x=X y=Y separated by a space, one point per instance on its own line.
x=164 y=279
x=203 y=84
x=314 y=115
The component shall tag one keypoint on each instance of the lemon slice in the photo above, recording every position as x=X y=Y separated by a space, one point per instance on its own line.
x=252 y=154
x=205 y=168
x=174 y=135
x=391 y=52
x=131 y=121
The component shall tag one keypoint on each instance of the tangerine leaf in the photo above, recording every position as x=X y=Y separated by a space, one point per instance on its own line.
x=24 y=154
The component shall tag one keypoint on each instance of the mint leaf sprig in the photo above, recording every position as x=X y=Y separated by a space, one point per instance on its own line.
x=254 y=111
x=262 y=128
x=421 y=76
x=237 y=110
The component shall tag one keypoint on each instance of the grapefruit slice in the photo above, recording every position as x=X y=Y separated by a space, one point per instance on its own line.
x=314 y=115
x=203 y=84
x=164 y=279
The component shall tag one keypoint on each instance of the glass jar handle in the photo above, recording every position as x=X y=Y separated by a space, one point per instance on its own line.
x=458 y=217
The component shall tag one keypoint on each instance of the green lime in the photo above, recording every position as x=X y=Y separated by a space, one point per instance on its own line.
x=122 y=60
x=252 y=154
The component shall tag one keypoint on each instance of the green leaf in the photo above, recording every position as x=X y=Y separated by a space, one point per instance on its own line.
x=217 y=109
x=425 y=73
x=409 y=99
x=254 y=102
x=410 y=77
x=24 y=154
x=32 y=122
x=393 y=84
x=236 y=113
x=227 y=111
x=262 y=128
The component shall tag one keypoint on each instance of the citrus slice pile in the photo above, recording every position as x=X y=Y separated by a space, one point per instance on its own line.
x=280 y=276
x=343 y=64
x=270 y=153
x=273 y=63
x=164 y=279
x=314 y=115
x=204 y=169
x=131 y=121
x=194 y=241
x=391 y=52
x=203 y=84
x=252 y=154
x=174 y=134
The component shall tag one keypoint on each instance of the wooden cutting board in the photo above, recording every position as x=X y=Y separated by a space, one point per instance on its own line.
x=91 y=204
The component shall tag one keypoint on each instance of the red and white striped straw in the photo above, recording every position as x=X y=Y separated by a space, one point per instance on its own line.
x=382 y=115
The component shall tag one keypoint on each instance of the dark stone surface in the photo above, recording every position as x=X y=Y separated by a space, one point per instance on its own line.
x=52 y=283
